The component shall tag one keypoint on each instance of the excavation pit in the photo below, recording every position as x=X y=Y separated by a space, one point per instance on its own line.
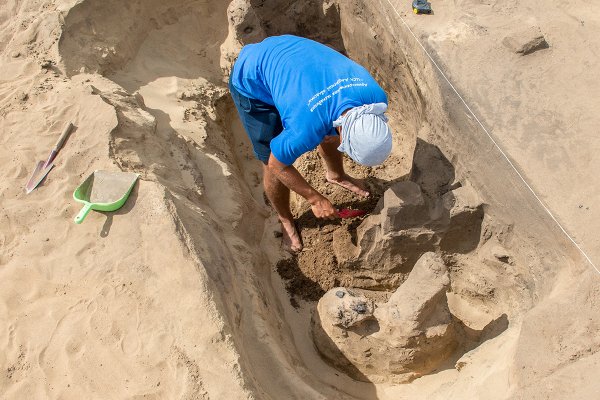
x=434 y=202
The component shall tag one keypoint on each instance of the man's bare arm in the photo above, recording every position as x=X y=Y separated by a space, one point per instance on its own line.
x=290 y=177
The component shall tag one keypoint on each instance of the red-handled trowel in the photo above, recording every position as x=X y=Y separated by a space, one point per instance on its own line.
x=349 y=213
x=42 y=168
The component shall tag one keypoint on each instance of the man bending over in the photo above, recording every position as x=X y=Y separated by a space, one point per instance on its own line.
x=294 y=94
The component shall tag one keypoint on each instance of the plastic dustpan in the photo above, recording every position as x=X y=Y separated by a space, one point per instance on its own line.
x=104 y=191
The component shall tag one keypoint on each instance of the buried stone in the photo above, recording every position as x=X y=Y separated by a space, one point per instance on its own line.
x=389 y=241
x=526 y=41
x=396 y=341
x=405 y=225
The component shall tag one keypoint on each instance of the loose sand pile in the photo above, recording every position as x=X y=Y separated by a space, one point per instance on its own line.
x=185 y=291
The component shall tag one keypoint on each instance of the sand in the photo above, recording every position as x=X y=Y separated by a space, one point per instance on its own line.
x=179 y=295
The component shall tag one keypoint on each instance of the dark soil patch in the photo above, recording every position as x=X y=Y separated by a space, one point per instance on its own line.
x=315 y=270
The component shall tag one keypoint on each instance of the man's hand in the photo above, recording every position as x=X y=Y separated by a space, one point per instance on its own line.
x=290 y=177
x=322 y=208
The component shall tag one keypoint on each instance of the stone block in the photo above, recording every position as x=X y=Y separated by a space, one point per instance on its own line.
x=397 y=341
x=526 y=41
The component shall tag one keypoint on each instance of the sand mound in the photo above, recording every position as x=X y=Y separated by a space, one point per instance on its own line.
x=455 y=286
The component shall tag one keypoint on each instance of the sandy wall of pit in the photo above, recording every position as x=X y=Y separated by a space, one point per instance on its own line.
x=264 y=329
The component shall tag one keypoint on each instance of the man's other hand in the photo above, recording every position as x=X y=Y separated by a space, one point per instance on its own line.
x=290 y=177
x=322 y=208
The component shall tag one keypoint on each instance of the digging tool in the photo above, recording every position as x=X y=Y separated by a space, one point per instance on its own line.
x=104 y=191
x=349 y=213
x=42 y=168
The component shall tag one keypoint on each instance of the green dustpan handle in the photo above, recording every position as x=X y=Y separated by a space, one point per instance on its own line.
x=83 y=213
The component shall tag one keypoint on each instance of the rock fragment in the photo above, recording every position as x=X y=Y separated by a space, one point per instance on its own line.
x=501 y=254
x=346 y=309
x=22 y=96
x=465 y=212
x=526 y=41
x=403 y=207
x=46 y=64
